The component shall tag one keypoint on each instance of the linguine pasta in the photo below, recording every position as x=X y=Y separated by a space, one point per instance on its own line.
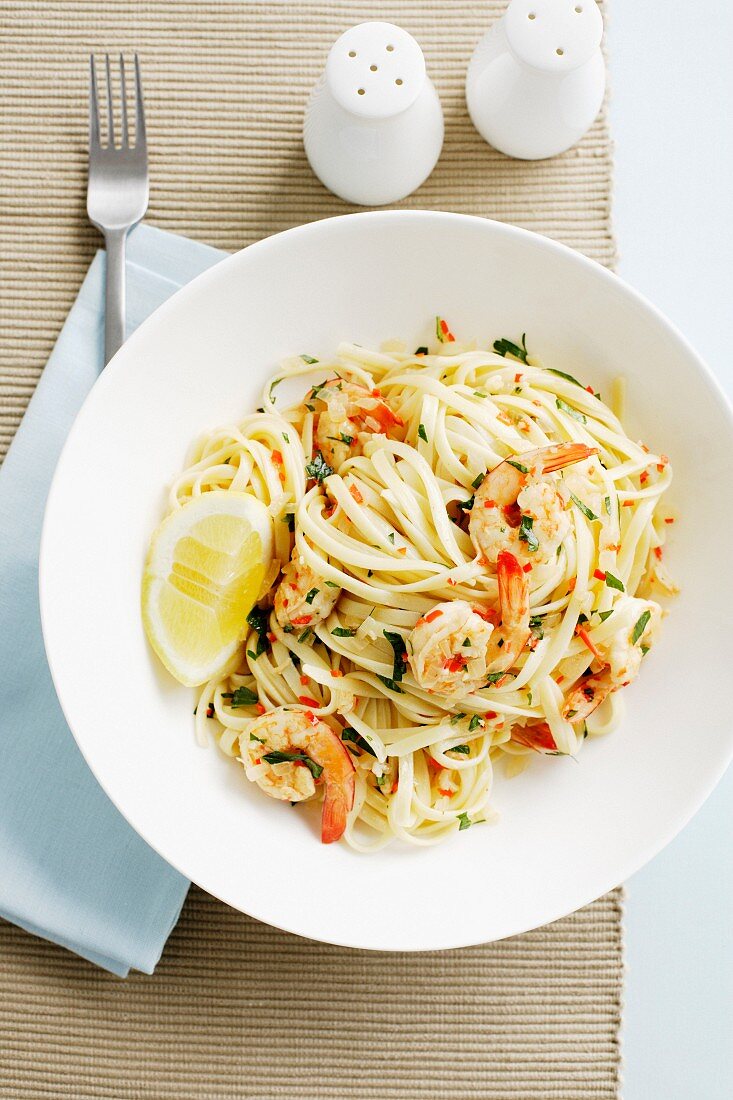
x=389 y=520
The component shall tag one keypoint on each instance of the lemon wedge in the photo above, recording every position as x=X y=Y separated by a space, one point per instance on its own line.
x=202 y=577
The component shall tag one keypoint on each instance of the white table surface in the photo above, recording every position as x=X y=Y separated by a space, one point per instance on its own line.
x=672 y=120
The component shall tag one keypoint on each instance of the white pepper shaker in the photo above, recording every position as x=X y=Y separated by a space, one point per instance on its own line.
x=536 y=80
x=373 y=127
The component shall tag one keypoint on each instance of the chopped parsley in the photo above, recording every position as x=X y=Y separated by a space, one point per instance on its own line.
x=583 y=507
x=645 y=650
x=305 y=635
x=537 y=628
x=308 y=359
x=506 y=347
x=286 y=437
x=567 y=377
x=258 y=619
x=640 y=626
x=390 y=684
x=614 y=582
x=241 y=697
x=518 y=466
x=422 y=350
x=465 y=750
x=318 y=468
x=296 y=758
x=607 y=505
x=289 y=518
x=347 y=439
x=390 y=536
x=466 y=505
x=310 y=596
x=422 y=433
x=475 y=723
x=400 y=654
x=575 y=413
x=343 y=632
x=494 y=678
x=464 y=822
x=350 y=734
x=466 y=642
x=476 y=483
x=603 y=615
x=253 y=737
x=456 y=718
x=526 y=534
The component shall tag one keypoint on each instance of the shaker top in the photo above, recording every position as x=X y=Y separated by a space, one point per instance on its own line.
x=554 y=35
x=375 y=70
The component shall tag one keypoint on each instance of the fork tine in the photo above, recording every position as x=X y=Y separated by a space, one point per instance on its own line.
x=110 y=113
x=123 y=102
x=140 y=140
x=93 y=105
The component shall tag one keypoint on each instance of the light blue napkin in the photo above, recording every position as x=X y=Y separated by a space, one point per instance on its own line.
x=71 y=868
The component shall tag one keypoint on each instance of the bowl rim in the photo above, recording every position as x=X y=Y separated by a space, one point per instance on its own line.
x=643 y=853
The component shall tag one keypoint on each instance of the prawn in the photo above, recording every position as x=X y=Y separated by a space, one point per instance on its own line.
x=348 y=411
x=288 y=752
x=619 y=659
x=518 y=508
x=302 y=598
x=447 y=651
x=512 y=634
x=455 y=646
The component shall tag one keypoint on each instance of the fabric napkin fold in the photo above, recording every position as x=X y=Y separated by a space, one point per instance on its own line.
x=71 y=869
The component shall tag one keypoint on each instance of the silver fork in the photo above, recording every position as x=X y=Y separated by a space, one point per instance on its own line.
x=117 y=191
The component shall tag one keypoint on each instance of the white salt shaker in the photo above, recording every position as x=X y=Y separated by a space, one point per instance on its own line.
x=536 y=80
x=373 y=127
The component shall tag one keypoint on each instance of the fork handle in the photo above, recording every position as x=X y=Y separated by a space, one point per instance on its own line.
x=114 y=312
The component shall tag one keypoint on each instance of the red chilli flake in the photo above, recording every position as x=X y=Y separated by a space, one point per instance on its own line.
x=489 y=504
x=599 y=574
x=277 y=458
x=628 y=504
x=490 y=714
x=445 y=793
x=643 y=477
x=586 y=640
x=312 y=718
x=668 y=519
x=259 y=708
x=559 y=679
x=356 y=494
x=433 y=615
x=572 y=583
x=527 y=568
x=305 y=680
x=336 y=672
x=456 y=663
x=394 y=787
x=302 y=620
x=658 y=553
x=504 y=417
x=307 y=701
x=271 y=637
x=451 y=582
x=517 y=378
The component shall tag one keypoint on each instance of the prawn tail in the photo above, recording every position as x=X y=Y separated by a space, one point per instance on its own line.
x=589 y=694
x=565 y=454
x=337 y=803
x=537 y=736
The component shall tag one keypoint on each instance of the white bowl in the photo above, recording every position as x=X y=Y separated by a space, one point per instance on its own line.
x=568 y=831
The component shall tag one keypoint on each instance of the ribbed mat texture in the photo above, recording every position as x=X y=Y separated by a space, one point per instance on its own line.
x=237 y=1009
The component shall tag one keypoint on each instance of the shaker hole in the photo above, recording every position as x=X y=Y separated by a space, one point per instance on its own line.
x=361 y=91
x=390 y=49
x=559 y=51
x=579 y=10
x=531 y=15
x=398 y=81
x=352 y=53
x=372 y=68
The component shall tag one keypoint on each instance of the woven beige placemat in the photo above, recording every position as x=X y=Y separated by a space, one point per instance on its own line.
x=237 y=1009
